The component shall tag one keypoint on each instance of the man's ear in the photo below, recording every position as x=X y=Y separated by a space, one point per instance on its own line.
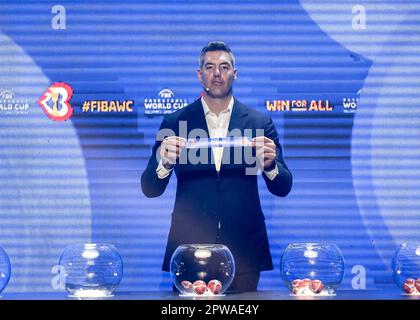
x=200 y=75
x=235 y=75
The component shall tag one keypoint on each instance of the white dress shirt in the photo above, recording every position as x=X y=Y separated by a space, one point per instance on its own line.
x=217 y=126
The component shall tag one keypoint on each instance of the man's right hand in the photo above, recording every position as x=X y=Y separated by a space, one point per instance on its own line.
x=170 y=150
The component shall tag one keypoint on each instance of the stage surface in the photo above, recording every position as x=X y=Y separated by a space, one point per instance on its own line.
x=388 y=294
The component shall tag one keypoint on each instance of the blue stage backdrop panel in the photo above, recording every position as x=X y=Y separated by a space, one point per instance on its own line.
x=355 y=165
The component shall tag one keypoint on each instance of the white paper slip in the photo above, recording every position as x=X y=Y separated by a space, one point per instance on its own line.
x=218 y=142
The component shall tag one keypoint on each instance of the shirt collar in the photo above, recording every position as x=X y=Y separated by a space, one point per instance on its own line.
x=207 y=109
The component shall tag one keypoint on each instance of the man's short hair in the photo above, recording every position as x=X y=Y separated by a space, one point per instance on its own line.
x=216 y=46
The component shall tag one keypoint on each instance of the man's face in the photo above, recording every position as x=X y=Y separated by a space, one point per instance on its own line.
x=217 y=74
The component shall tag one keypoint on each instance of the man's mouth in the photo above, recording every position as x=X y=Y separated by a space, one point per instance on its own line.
x=217 y=83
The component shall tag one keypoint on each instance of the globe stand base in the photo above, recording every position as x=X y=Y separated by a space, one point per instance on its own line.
x=321 y=294
x=90 y=294
x=194 y=295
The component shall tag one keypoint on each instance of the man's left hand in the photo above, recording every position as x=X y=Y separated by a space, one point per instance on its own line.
x=266 y=152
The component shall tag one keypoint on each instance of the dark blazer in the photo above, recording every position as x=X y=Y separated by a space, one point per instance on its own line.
x=204 y=197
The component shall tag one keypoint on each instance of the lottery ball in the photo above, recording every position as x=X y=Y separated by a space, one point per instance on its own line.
x=417 y=284
x=188 y=286
x=306 y=283
x=214 y=286
x=316 y=286
x=409 y=286
x=297 y=283
x=199 y=287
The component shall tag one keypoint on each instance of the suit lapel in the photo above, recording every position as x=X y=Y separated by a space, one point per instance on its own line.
x=196 y=119
x=237 y=122
x=238 y=117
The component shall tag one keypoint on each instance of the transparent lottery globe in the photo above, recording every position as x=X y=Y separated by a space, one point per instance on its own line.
x=312 y=269
x=202 y=269
x=406 y=268
x=91 y=270
x=5 y=269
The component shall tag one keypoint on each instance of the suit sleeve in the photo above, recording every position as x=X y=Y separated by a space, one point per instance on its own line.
x=282 y=183
x=151 y=185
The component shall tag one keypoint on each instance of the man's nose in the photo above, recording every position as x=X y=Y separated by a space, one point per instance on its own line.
x=216 y=72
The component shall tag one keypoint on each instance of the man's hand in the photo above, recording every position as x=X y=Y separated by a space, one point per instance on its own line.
x=170 y=149
x=266 y=152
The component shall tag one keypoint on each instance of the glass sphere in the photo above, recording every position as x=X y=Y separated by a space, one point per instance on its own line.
x=312 y=269
x=406 y=268
x=5 y=269
x=202 y=269
x=91 y=270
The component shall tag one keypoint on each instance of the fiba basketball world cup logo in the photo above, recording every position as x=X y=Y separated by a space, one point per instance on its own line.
x=55 y=101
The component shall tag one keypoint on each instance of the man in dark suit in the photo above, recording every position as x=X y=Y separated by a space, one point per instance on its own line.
x=217 y=201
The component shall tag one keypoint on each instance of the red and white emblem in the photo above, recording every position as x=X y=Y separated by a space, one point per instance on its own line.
x=55 y=101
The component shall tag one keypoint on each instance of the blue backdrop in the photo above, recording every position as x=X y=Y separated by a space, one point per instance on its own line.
x=356 y=170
